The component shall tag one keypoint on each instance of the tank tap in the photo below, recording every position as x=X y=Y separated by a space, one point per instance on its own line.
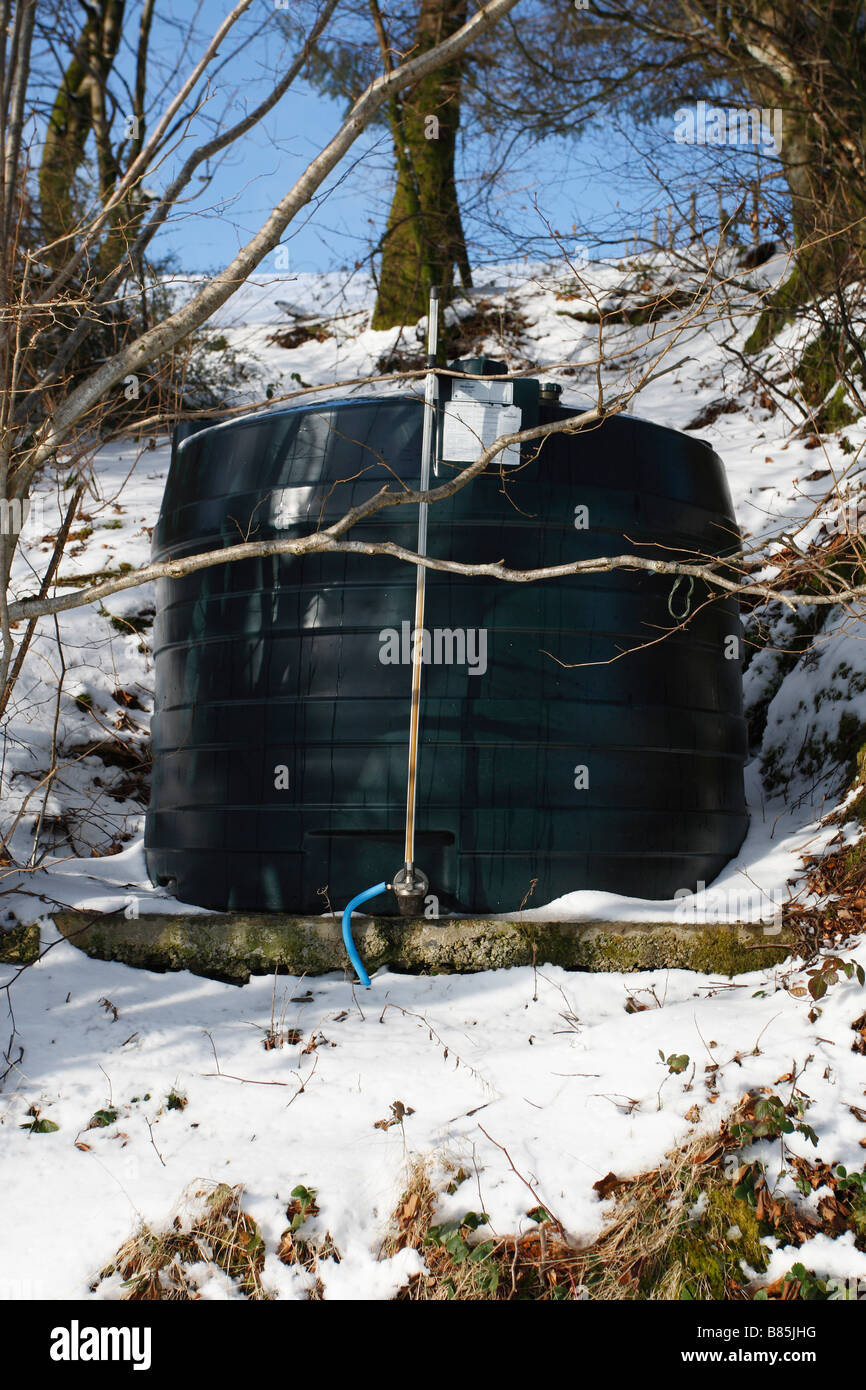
x=410 y=887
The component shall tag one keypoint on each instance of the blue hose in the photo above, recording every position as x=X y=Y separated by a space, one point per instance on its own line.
x=347 y=929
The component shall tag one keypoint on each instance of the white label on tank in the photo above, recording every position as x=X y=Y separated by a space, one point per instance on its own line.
x=469 y=427
x=487 y=392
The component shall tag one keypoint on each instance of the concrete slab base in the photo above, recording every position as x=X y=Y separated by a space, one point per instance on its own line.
x=234 y=946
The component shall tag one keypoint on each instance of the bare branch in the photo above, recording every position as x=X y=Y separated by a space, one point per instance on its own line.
x=172 y=330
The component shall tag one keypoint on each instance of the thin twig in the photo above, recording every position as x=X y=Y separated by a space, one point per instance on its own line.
x=557 y=1223
x=153 y=1141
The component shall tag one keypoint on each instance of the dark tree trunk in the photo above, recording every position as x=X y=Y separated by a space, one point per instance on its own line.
x=79 y=108
x=810 y=63
x=424 y=242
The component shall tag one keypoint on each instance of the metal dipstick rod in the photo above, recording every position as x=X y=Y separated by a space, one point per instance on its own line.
x=411 y=884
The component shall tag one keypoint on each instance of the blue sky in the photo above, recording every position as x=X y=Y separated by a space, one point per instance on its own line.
x=607 y=183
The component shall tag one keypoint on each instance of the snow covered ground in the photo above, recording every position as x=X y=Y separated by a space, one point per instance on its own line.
x=551 y=1065
x=569 y=1082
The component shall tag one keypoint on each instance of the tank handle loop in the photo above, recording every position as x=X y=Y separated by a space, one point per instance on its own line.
x=681 y=579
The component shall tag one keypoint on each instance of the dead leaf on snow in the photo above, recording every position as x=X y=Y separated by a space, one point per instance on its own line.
x=609 y=1184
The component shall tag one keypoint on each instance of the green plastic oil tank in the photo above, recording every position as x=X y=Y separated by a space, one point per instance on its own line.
x=563 y=746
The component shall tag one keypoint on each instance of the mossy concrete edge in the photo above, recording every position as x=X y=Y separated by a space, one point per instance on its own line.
x=234 y=946
x=19 y=945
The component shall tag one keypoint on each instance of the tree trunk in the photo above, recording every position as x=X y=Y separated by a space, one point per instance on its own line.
x=828 y=212
x=79 y=108
x=811 y=66
x=424 y=240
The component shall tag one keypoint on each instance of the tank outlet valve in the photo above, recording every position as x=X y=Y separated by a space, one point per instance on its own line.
x=410 y=887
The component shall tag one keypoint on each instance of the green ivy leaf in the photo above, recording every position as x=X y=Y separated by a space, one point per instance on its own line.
x=474 y=1219
x=481 y=1251
x=539 y=1214
x=102 y=1118
x=41 y=1127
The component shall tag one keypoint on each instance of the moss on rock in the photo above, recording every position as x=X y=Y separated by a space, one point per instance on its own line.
x=232 y=947
x=19 y=945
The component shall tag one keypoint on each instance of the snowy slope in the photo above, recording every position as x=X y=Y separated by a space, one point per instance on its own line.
x=569 y=1082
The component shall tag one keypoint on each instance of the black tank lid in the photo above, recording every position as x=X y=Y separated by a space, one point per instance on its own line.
x=480 y=366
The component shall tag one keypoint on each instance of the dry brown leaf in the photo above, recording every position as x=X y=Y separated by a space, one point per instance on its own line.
x=832 y=1214
x=766 y=1207
x=709 y=1155
x=608 y=1184
x=286 y=1252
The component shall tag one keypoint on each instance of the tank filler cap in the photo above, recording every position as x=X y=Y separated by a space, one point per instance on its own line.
x=410 y=889
x=549 y=393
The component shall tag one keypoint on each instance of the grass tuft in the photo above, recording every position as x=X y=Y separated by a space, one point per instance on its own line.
x=158 y=1265
x=692 y=1229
